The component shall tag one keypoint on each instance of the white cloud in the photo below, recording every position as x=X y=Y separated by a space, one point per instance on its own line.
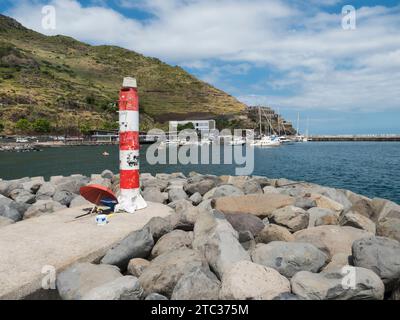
x=319 y=64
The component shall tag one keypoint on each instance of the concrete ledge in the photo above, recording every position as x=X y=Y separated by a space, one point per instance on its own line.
x=59 y=240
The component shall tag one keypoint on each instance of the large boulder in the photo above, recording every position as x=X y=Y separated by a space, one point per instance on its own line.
x=245 y=222
x=215 y=238
x=327 y=203
x=322 y=216
x=156 y=296
x=22 y=196
x=354 y=284
x=291 y=217
x=78 y=280
x=364 y=207
x=122 y=288
x=338 y=261
x=198 y=284
x=382 y=208
x=153 y=194
x=273 y=232
x=202 y=186
x=196 y=198
x=252 y=187
x=176 y=193
x=381 y=255
x=223 y=191
x=331 y=239
x=305 y=203
x=9 y=209
x=246 y=280
x=107 y=174
x=356 y=220
x=136 y=245
x=6 y=187
x=46 y=191
x=164 y=272
x=389 y=227
x=261 y=205
x=63 y=197
x=159 y=226
x=42 y=207
x=153 y=182
x=289 y=257
x=136 y=266
x=172 y=241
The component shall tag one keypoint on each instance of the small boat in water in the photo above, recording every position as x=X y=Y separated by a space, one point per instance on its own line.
x=267 y=141
x=105 y=154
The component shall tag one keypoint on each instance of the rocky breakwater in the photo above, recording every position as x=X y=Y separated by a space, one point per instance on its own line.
x=248 y=238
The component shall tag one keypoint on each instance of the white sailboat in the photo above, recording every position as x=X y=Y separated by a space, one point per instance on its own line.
x=267 y=141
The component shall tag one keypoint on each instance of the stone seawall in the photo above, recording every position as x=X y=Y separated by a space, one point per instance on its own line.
x=229 y=238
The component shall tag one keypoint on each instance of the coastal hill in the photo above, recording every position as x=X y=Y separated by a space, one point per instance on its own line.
x=71 y=86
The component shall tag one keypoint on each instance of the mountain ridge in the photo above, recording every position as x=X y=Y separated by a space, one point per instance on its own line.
x=75 y=85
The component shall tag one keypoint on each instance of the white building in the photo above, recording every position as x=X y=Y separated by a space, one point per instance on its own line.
x=201 y=125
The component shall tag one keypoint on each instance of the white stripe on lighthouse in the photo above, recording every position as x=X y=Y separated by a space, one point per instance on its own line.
x=129 y=159
x=128 y=121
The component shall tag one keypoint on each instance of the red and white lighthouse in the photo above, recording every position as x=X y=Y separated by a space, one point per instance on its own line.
x=130 y=198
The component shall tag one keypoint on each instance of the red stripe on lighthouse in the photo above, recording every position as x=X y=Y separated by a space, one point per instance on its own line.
x=129 y=99
x=129 y=179
x=129 y=140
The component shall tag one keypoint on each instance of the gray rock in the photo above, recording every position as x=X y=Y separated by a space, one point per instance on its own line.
x=42 y=207
x=159 y=227
x=22 y=196
x=153 y=182
x=335 y=286
x=265 y=221
x=34 y=185
x=246 y=239
x=338 y=196
x=177 y=193
x=79 y=201
x=359 y=221
x=79 y=279
x=153 y=194
x=136 y=245
x=318 y=214
x=6 y=187
x=63 y=197
x=206 y=205
x=136 y=266
x=305 y=203
x=172 y=241
x=202 y=186
x=216 y=239
x=164 y=272
x=245 y=222
x=291 y=217
x=251 y=187
x=5 y=221
x=46 y=191
x=381 y=255
x=107 y=174
x=288 y=258
x=8 y=209
x=156 y=296
x=223 y=191
x=273 y=232
x=364 y=207
x=122 y=288
x=246 y=280
x=180 y=205
x=196 y=198
x=198 y=284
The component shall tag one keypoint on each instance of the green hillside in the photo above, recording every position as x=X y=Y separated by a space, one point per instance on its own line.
x=72 y=86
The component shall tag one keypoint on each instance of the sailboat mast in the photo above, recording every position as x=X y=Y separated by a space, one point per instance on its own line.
x=259 y=114
x=298 y=123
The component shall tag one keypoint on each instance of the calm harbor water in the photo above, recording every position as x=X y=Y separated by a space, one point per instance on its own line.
x=369 y=168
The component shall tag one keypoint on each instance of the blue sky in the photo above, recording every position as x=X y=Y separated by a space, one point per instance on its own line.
x=291 y=55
